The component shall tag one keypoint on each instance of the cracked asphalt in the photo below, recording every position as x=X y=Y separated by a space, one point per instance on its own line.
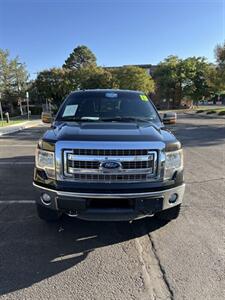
x=148 y=259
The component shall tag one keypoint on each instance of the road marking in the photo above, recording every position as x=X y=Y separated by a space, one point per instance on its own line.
x=16 y=162
x=17 y=201
x=86 y=238
x=190 y=128
x=65 y=257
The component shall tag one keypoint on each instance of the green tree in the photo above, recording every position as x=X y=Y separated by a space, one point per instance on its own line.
x=13 y=79
x=196 y=82
x=169 y=76
x=219 y=78
x=220 y=55
x=133 y=78
x=189 y=78
x=94 y=78
x=53 y=85
x=81 y=57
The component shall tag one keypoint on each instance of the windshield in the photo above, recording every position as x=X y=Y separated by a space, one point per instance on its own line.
x=108 y=106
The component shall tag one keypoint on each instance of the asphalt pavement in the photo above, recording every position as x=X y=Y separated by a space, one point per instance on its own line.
x=148 y=259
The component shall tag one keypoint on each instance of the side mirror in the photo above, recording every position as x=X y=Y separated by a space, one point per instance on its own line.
x=170 y=118
x=46 y=117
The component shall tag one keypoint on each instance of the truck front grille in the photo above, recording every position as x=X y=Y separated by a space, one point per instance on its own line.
x=88 y=165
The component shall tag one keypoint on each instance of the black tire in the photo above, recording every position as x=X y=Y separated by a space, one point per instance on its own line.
x=47 y=214
x=169 y=214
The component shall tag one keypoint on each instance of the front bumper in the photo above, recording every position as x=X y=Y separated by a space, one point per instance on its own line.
x=115 y=207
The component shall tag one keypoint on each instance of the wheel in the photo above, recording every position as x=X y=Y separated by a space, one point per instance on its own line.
x=47 y=214
x=169 y=214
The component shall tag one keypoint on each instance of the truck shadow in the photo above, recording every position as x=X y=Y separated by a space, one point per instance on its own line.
x=32 y=250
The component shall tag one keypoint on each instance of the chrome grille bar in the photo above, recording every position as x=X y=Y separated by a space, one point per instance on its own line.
x=80 y=164
x=116 y=158
x=111 y=152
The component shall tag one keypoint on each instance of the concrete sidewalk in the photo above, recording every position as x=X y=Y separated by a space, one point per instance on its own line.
x=17 y=127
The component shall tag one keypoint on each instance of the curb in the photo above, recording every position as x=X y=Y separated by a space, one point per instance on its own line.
x=16 y=128
x=204 y=115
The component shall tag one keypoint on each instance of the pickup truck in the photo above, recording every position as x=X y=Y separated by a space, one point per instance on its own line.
x=108 y=156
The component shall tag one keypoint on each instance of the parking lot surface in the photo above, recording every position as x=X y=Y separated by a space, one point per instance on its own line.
x=148 y=259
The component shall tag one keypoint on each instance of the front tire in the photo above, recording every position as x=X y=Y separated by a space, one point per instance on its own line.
x=47 y=214
x=169 y=214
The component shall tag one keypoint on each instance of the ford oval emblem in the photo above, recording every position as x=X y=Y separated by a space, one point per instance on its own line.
x=111 y=165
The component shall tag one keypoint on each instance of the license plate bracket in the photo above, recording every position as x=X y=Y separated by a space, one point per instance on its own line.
x=149 y=205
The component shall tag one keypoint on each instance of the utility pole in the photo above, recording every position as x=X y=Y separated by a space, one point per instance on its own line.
x=20 y=103
x=1 y=112
x=28 y=108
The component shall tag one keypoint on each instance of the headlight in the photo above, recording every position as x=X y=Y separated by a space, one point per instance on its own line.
x=45 y=160
x=174 y=162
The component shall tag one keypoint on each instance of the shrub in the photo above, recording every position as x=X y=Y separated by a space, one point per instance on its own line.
x=199 y=111
x=221 y=113
x=211 y=112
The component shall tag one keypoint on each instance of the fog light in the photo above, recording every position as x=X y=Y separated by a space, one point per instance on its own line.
x=46 y=199
x=173 y=198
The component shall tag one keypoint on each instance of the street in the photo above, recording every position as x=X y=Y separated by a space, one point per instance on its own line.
x=147 y=259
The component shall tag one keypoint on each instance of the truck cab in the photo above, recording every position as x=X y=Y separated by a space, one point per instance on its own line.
x=108 y=156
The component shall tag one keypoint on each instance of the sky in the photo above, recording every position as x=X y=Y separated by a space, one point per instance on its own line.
x=120 y=32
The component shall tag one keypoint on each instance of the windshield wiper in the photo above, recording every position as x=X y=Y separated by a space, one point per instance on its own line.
x=110 y=119
x=75 y=119
x=126 y=119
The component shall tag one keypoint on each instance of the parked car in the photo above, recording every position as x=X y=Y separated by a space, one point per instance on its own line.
x=170 y=118
x=108 y=156
x=46 y=117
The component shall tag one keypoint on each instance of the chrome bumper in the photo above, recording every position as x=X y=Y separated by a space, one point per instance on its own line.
x=141 y=197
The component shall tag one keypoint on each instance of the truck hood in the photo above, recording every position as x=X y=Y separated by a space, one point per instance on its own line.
x=104 y=131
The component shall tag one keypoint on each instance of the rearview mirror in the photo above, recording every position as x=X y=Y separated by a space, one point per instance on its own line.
x=46 y=117
x=170 y=118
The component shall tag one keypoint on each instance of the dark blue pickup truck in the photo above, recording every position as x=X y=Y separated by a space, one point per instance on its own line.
x=108 y=156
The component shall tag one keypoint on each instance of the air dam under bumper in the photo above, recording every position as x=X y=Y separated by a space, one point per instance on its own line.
x=111 y=207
